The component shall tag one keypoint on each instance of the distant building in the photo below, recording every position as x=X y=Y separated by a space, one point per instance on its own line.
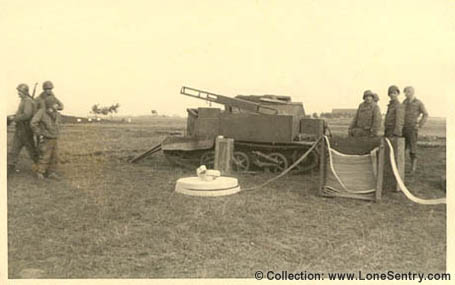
x=68 y=119
x=344 y=112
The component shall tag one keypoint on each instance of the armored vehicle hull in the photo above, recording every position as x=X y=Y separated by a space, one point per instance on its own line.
x=248 y=156
x=270 y=132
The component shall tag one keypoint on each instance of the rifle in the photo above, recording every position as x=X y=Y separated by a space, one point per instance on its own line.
x=34 y=90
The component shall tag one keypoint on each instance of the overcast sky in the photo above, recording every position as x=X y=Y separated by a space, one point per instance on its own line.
x=139 y=53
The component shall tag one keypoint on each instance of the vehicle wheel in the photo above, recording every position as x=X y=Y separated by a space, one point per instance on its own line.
x=310 y=162
x=208 y=159
x=282 y=162
x=241 y=162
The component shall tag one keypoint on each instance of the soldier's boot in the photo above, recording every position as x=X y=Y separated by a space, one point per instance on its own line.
x=413 y=165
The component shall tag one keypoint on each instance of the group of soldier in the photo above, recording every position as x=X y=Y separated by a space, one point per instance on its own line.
x=401 y=120
x=37 y=129
x=37 y=125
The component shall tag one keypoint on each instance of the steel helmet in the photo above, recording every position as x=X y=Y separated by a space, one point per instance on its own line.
x=392 y=89
x=48 y=85
x=368 y=93
x=22 y=88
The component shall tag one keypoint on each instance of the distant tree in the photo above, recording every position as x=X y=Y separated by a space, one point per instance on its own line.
x=113 y=108
x=315 y=115
x=154 y=112
x=97 y=110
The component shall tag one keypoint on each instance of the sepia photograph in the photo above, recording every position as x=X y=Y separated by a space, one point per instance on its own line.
x=262 y=140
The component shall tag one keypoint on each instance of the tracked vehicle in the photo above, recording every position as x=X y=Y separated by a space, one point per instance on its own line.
x=269 y=132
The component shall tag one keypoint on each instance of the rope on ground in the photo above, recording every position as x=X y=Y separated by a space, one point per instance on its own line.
x=403 y=188
x=286 y=170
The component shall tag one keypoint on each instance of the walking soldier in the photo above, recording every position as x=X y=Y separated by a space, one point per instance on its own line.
x=47 y=94
x=413 y=109
x=23 y=135
x=46 y=125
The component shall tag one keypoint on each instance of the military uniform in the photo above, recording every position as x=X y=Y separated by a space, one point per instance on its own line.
x=413 y=109
x=23 y=136
x=47 y=127
x=367 y=120
x=47 y=100
x=394 y=119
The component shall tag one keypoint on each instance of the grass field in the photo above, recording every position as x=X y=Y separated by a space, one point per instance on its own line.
x=435 y=128
x=111 y=219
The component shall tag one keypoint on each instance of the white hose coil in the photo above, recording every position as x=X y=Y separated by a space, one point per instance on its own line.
x=403 y=188
x=195 y=186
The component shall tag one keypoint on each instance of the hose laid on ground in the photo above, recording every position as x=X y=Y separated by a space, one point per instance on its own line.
x=403 y=188
x=400 y=182
x=287 y=169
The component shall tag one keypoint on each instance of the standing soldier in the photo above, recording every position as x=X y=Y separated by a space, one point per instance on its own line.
x=367 y=120
x=413 y=109
x=23 y=136
x=45 y=124
x=394 y=118
x=47 y=94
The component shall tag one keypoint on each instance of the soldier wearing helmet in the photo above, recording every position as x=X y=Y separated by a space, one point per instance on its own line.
x=367 y=119
x=46 y=126
x=415 y=117
x=23 y=88
x=46 y=95
x=23 y=135
x=394 y=118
